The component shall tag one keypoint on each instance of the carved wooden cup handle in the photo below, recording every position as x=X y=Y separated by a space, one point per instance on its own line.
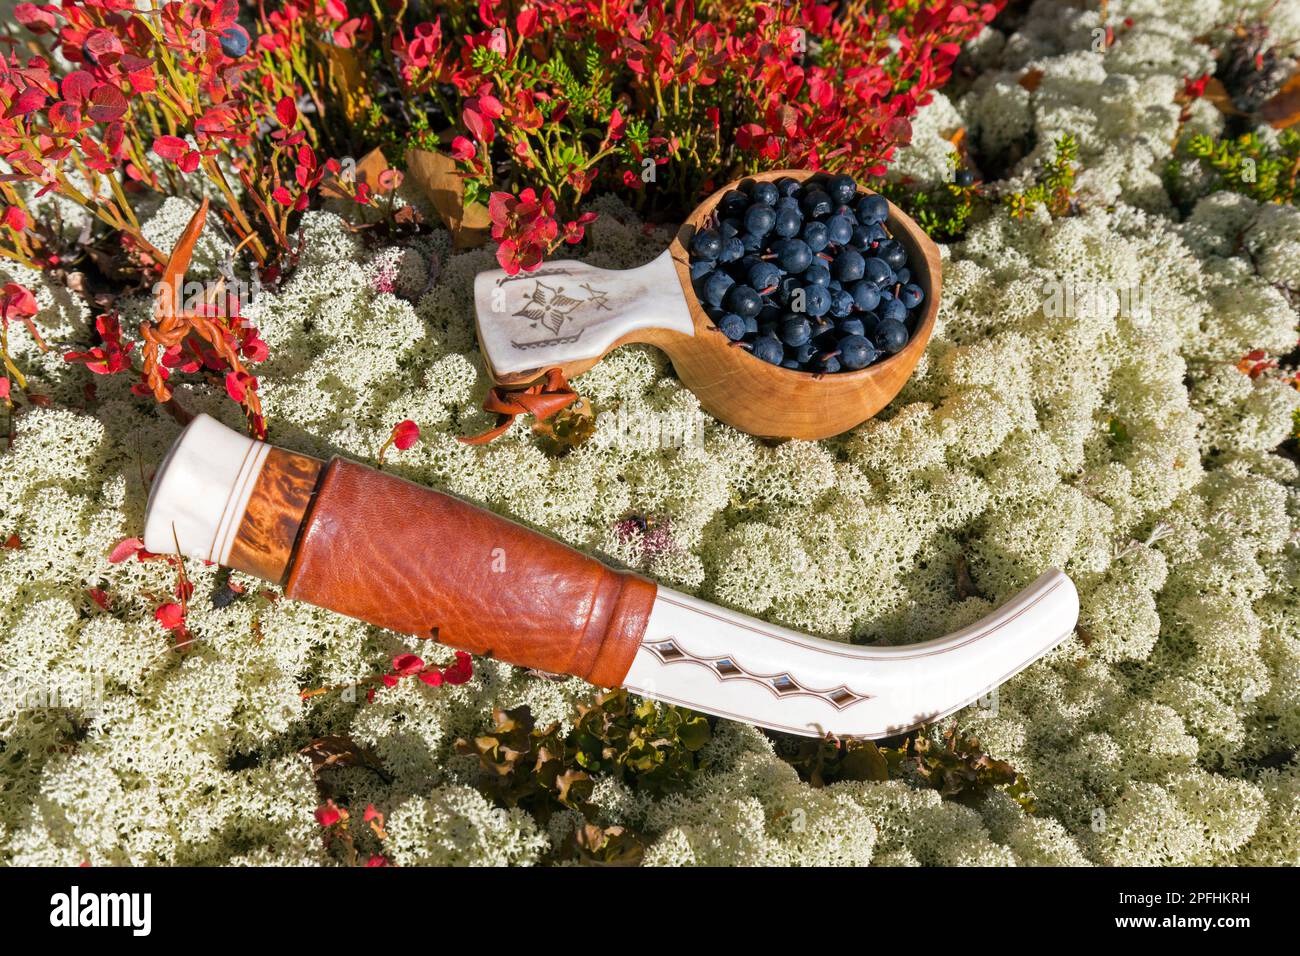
x=568 y=314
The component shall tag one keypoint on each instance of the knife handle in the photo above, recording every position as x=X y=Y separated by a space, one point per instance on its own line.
x=367 y=544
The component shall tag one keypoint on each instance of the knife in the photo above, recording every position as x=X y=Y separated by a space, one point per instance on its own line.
x=352 y=539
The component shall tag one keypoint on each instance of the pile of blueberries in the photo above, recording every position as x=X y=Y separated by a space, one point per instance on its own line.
x=805 y=275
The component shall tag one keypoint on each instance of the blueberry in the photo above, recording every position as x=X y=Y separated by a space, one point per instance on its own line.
x=817 y=274
x=890 y=335
x=848 y=265
x=893 y=309
x=795 y=331
x=733 y=249
x=850 y=326
x=841 y=303
x=860 y=238
x=816 y=300
x=715 y=287
x=733 y=203
x=904 y=275
x=751 y=326
x=878 y=271
x=893 y=253
x=760 y=218
x=234 y=41
x=965 y=178
x=793 y=255
x=730 y=227
x=763 y=276
x=701 y=267
x=706 y=244
x=840 y=229
x=829 y=364
x=765 y=192
x=786 y=288
x=804 y=354
x=768 y=348
x=872 y=208
x=790 y=364
x=751 y=242
x=743 y=300
x=817 y=203
x=842 y=189
x=866 y=296
x=788 y=222
x=856 y=352
x=816 y=235
x=732 y=326
x=910 y=295
x=788 y=202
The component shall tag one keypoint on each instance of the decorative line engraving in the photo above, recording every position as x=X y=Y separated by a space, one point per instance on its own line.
x=781 y=685
x=886 y=731
x=549 y=307
x=597 y=297
x=540 y=273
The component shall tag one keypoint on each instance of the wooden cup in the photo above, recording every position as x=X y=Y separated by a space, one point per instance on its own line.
x=568 y=314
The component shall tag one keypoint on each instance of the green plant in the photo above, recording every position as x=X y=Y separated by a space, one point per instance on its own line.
x=1054 y=187
x=956 y=765
x=647 y=746
x=944 y=210
x=1247 y=164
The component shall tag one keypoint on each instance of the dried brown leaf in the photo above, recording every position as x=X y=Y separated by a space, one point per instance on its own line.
x=340 y=751
x=1283 y=109
x=435 y=175
x=367 y=171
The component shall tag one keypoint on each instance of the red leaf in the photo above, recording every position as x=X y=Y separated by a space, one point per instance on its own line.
x=13 y=542
x=480 y=128
x=128 y=548
x=77 y=86
x=170 y=616
x=327 y=814
x=37 y=19
x=238 y=384
x=286 y=112
x=405 y=434
x=281 y=195
x=100 y=597
x=28 y=101
x=4 y=388
x=170 y=147
x=407 y=664
x=107 y=103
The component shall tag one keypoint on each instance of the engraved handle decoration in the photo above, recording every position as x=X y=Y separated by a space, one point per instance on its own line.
x=569 y=314
x=370 y=545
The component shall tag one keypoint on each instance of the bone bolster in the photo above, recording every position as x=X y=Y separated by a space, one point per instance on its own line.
x=346 y=537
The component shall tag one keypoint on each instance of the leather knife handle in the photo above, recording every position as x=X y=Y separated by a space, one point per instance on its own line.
x=367 y=544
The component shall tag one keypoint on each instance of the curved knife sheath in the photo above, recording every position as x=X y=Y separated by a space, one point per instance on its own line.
x=346 y=537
